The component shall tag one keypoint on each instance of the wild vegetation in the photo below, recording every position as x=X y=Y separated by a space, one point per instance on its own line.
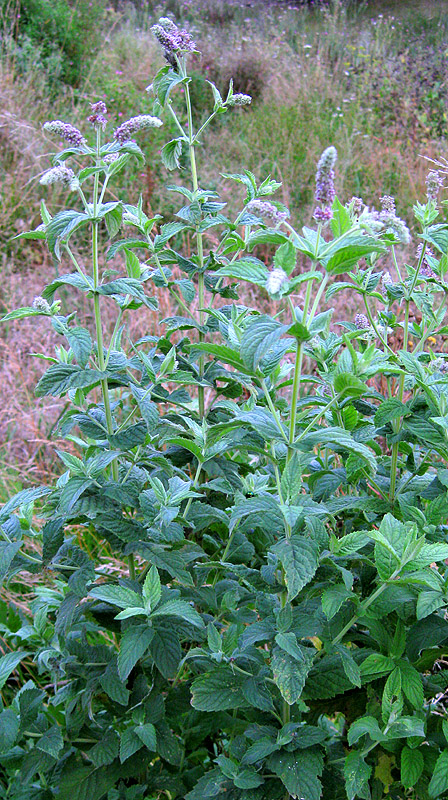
x=230 y=576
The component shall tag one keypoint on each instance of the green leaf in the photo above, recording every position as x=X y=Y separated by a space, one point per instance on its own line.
x=130 y=743
x=299 y=558
x=85 y=783
x=412 y=763
x=338 y=439
x=51 y=742
x=152 y=589
x=257 y=694
x=365 y=726
x=113 y=218
x=439 y=781
x=8 y=664
x=389 y=410
x=427 y=602
x=134 y=644
x=246 y=269
x=60 y=378
x=119 y=596
x=333 y=598
x=411 y=683
x=299 y=772
x=258 y=338
x=147 y=734
x=285 y=257
x=356 y=774
x=165 y=650
x=343 y=253
x=376 y=664
x=171 y=153
x=179 y=608
x=290 y=671
x=341 y=222
x=23 y=497
x=218 y=691
x=351 y=668
x=81 y=343
x=9 y=728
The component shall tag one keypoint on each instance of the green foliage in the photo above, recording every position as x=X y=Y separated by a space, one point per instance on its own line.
x=276 y=623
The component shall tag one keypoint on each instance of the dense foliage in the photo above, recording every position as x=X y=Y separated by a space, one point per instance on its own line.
x=274 y=489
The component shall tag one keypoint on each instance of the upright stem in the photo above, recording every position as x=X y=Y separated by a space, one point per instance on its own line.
x=201 y=287
x=98 y=324
x=395 y=446
x=297 y=372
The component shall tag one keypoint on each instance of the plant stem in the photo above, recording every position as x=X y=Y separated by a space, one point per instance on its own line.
x=201 y=286
x=98 y=325
x=396 y=445
x=297 y=371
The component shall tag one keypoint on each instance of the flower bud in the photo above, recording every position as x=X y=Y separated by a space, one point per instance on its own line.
x=275 y=281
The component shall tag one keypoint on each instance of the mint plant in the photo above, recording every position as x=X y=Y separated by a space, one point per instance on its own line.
x=274 y=488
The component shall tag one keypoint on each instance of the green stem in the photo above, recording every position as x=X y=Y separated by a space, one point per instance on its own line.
x=201 y=285
x=273 y=410
x=396 y=445
x=297 y=371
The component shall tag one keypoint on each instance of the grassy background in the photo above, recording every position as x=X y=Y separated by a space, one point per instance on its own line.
x=367 y=79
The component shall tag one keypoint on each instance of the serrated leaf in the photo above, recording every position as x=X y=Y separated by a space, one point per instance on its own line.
x=411 y=763
x=218 y=691
x=51 y=741
x=299 y=558
x=119 y=596
x=290 y=673
x=171 y=153
x=80 y=341
x=333 y=598
x=356 y=774
x=9 y=728
x=152 y=589
x=133 y=646
x=299 y=772
x=85 y=783
x=179 y=608
x=147 y=734
x=362 y=727
x=439 y=781
x=8 y=664
x=258 y=338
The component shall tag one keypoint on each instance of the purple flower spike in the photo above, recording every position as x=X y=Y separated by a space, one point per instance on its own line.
x=325 y=191
x=97 y=117
x=124 y=132
x=65 y=131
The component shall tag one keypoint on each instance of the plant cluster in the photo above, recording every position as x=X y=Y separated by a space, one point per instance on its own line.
x=273 y=487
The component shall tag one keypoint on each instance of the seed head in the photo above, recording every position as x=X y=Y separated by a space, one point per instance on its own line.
x=65 y=131
x=361 y=322
x=387 y=203
x=124 y=132
x=97 y=117
x=357 y=205
x=239 y=100
x=262 y=208
x=40 y=304
x=59 y=174
x=172 y=38
x=395 y=225
x=325 y=191
x=434 y=182
x=275 y=281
